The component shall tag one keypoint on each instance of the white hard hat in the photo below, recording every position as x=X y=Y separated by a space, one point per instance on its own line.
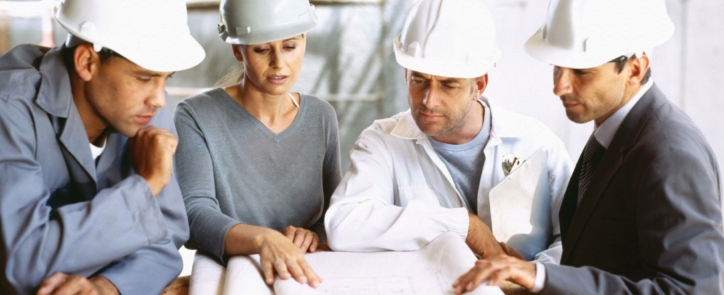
x=153 y=34
x=583 y=34
x=449 y=38
x=260 y=21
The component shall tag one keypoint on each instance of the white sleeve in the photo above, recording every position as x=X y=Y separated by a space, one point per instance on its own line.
x=540 y=278
x=363 y=214
x=560 y=169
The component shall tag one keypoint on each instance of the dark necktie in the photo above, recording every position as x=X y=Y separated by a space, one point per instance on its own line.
x=592 y=154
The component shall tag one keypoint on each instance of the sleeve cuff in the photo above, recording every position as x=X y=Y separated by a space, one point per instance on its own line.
x=540 y=278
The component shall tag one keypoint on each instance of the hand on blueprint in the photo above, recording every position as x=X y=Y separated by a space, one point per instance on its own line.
x=304 y=239
x=495 y=270
x=480 y=238
x=278 y=254
x=61 y=284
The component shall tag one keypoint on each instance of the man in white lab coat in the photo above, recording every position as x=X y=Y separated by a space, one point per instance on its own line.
x=434 y=168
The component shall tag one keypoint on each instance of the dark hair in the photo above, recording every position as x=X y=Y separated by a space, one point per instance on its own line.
x=621 y=62
x=67 y=55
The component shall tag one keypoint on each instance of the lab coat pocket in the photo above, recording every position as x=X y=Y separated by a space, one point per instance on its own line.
x=423 y=193
x=520 y=207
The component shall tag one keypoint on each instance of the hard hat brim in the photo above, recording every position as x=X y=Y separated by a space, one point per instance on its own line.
x=272 y=34
x=442 y=68
x=184 y=53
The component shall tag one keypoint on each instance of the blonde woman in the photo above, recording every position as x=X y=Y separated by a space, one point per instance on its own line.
x=257 y=164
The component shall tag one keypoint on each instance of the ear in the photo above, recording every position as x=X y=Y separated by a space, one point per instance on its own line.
x=480 y=84
x=639 y=67
x=86 y=61
x=237 y=52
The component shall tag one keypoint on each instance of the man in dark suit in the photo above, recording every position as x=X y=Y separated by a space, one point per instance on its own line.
x=641 y=214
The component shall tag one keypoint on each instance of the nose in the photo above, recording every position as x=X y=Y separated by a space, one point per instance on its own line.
x=561 y=81
x=276 y=60
x=158 y=97
x=431 y=97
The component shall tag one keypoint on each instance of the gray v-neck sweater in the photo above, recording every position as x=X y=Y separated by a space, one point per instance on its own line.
x=232 y=169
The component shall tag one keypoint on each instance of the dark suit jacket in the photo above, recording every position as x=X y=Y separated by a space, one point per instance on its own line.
x=650 y=220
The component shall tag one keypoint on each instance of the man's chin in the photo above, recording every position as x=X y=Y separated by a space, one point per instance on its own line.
x=577 y=118
x=430 y=130
x=128 y=131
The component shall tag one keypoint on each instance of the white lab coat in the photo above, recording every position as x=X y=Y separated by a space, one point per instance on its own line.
x=398 y=194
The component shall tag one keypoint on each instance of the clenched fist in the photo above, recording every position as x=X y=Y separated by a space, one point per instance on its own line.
x=152 y=152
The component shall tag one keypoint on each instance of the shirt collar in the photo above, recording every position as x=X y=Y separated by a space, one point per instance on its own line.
x=55 y=95
x=604 y=133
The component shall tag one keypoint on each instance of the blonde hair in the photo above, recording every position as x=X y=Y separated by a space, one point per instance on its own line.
x=232 y=77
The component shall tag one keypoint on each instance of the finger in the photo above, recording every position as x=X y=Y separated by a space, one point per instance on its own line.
x=173 y=144
x=51 y=283
x=299 y=238
x=462 y=281
x=499 y=276
x=296 y=271
x=309 y=237
x=268 y=271
x=289 y=232
x=72 y=286
x=323 y=247
x=281 y=267
x=505 y=248
x=312 y=277
x=481 y=274
x=315 y=243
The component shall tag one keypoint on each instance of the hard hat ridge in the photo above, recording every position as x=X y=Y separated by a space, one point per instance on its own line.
x=452 y=38
x=588 y=33
x=152 y=34
x=259 y=21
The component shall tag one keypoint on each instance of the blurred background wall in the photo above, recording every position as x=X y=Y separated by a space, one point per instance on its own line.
x=350 y=63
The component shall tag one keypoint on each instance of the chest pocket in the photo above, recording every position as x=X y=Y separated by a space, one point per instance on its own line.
x=409 y=193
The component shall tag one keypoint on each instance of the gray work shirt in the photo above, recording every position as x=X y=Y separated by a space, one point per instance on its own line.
x=465 y=162
x=233 y=169
x=62 y=212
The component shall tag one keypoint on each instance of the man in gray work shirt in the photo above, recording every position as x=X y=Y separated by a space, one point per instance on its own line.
x=87 y=201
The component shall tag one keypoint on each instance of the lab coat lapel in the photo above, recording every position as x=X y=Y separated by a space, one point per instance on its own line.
x=407 y=129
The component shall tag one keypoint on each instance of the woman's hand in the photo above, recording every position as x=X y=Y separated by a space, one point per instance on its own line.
x=278 y=254
x=304 y=239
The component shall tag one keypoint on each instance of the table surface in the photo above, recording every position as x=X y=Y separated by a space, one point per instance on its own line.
x=180 y=286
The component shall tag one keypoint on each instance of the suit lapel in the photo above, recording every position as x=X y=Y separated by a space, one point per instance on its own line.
x=612 y=159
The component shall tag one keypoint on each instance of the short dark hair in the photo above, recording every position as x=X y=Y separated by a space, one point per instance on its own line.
x=621 y=62
x=67 y=55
